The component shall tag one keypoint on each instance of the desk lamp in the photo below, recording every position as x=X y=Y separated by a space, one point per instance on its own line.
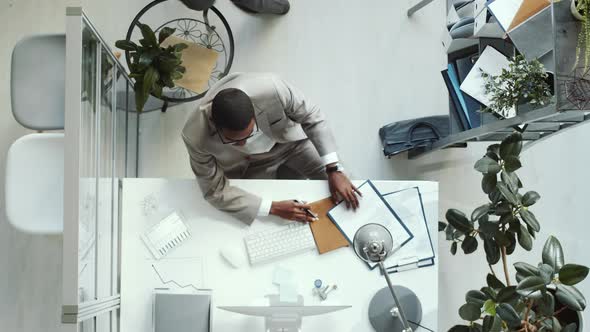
x=373 y=243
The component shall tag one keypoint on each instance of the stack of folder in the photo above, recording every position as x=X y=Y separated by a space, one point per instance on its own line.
x=401 y=212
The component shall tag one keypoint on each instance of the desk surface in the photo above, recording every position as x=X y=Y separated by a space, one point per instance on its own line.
x=147 y=201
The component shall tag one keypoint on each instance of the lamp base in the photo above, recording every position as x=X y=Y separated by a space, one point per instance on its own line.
x=380 y=309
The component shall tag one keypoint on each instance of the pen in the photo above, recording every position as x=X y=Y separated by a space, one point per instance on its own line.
x=308 y=211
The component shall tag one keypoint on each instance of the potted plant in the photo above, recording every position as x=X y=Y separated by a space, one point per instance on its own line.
x=523 y=82
x=580 y=10
x=544 y=297
x=153 y=67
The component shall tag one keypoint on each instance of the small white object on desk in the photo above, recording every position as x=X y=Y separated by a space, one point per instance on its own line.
x=285 y=279
x=166 y=235
x=233 y=255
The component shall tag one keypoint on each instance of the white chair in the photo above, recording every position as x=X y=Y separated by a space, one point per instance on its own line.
x=34 y=183
x=37 y=81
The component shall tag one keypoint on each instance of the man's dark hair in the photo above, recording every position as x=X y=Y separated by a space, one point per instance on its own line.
x=232 y=109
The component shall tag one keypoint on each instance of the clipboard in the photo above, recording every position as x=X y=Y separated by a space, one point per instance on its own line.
x=410 y=207
x=326 y=235
x=382 y=213
x=411 y=266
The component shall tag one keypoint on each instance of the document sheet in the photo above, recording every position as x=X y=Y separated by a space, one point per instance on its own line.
x=373 y=209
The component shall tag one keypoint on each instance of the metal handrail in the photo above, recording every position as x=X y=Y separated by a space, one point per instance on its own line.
x=107 y=48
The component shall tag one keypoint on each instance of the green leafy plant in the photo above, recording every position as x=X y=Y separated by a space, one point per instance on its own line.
x=153 y=67
x=543 y=292
x=583 y=49
x=522 y=82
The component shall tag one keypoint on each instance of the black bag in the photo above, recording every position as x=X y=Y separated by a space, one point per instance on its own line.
x=405 y=135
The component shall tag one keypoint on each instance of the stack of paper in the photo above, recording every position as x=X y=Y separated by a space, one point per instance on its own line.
x=166 y=235
x=419 y=252
x=401 y=213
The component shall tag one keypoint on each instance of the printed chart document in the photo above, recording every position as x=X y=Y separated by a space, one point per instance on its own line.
x=373 y=209
x=179 y=273
x=166 y=235
x=419 y=252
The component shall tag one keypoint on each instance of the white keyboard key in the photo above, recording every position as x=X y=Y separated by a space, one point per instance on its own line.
x=270 y=245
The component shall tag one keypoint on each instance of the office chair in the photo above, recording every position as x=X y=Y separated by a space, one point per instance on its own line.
x=35 y=183
x=37 y=83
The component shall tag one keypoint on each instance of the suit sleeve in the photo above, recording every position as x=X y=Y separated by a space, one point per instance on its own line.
x=216 y=188
x=312 y=120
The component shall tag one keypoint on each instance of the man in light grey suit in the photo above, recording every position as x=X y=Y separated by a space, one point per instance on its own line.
x=251 y=126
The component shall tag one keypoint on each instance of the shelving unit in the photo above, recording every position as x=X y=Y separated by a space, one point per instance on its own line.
x=544 y=122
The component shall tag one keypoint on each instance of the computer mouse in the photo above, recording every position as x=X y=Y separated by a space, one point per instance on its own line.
x=233 y=256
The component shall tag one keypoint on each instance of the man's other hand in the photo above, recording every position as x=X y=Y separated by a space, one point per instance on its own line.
x=342 y=189
x=291 y=210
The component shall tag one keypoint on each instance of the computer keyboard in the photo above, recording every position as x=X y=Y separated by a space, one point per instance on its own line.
x=274 y=244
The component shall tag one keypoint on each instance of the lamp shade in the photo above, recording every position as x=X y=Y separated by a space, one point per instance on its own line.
x=373 y=243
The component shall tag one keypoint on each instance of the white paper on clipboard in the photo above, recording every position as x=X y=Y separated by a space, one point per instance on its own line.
x=373 y=209
x=408 y=206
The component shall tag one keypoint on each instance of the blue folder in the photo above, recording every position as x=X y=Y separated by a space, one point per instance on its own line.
x=457 y=88
x=456 y=110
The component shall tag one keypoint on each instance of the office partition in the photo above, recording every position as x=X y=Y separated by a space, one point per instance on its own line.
x=100 y=149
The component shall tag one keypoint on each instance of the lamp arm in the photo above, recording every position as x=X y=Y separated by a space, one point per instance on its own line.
x=402 y=314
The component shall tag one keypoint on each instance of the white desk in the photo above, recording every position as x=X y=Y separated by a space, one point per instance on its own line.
x=213 y=229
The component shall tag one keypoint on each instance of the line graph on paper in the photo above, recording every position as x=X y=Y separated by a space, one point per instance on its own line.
x=179 y=273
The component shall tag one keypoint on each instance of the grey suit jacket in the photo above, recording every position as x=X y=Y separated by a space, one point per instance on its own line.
x=281 y=112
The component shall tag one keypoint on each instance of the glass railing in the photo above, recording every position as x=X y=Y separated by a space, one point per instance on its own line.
x=101 y=148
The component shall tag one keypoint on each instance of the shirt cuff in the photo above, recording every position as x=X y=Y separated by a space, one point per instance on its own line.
x=330 y=158
x=264 y=209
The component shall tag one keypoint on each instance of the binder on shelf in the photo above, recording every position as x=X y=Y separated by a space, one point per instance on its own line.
x=456 y=110
x=464 y=66
x=456 y=87
x=473 y=107
x=419 y=252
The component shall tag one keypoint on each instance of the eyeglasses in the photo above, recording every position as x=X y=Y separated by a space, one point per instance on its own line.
x=224 y=140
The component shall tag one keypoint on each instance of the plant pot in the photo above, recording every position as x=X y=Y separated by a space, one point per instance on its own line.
x=575 y=11
x=568 y=316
